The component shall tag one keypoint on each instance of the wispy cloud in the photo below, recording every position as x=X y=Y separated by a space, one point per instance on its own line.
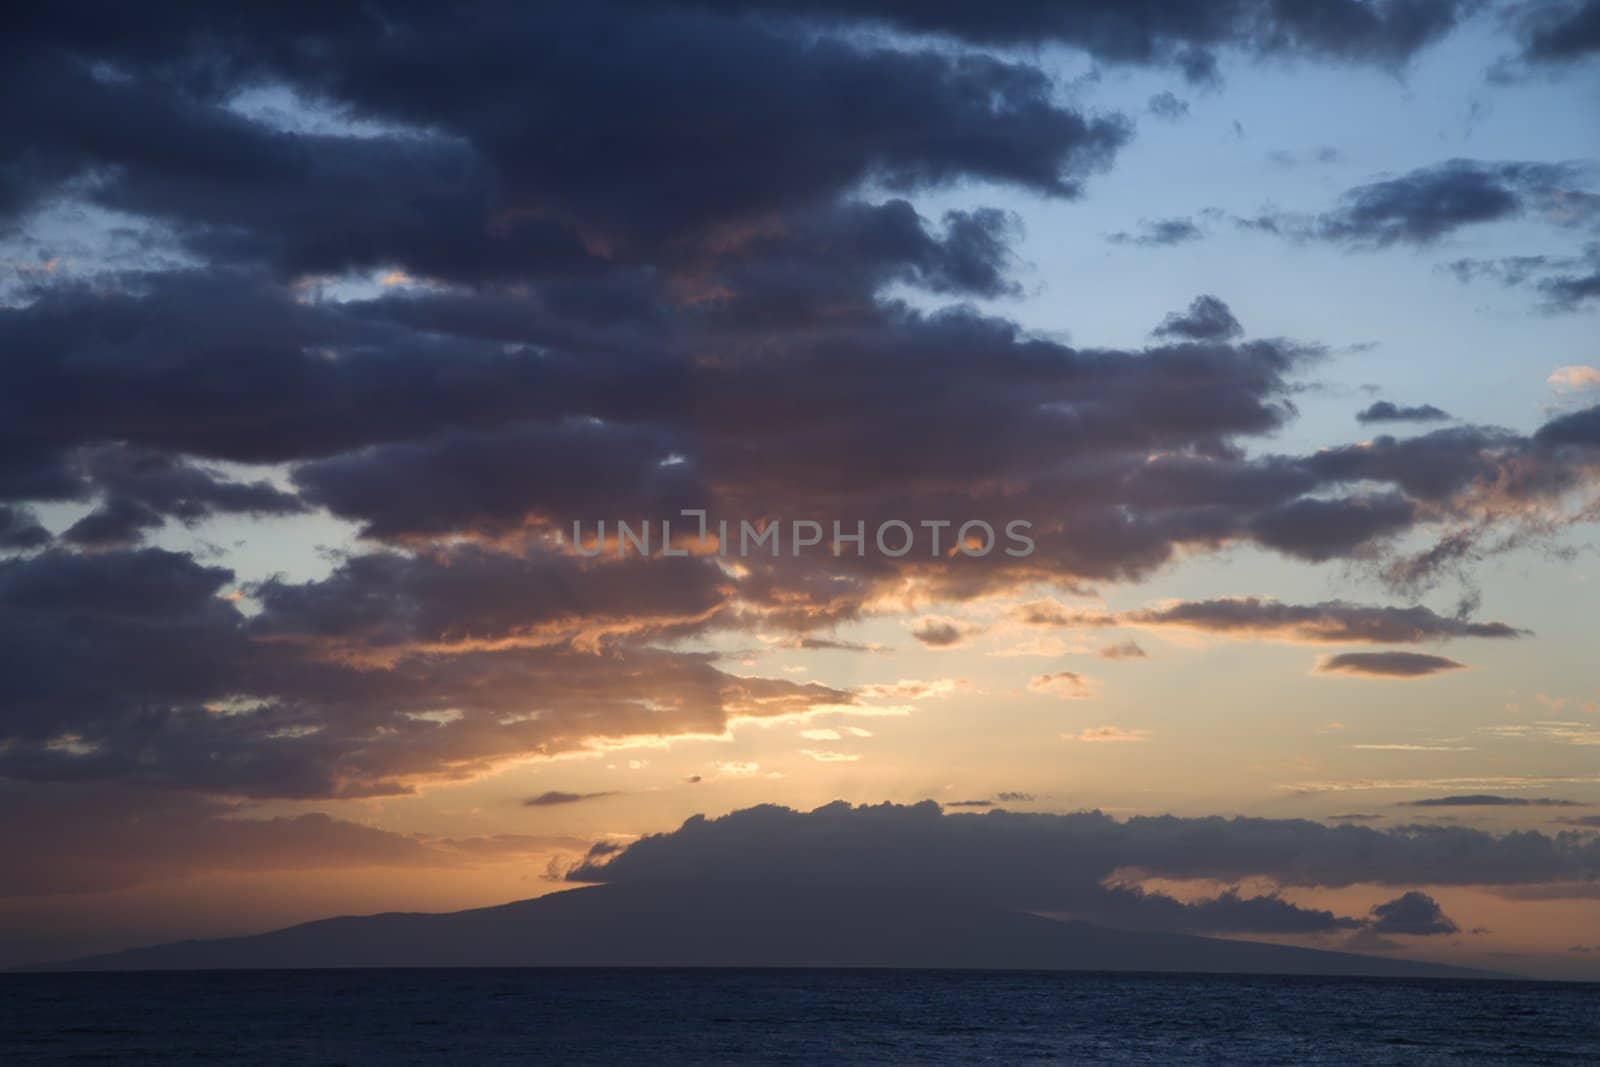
x=1112 y=734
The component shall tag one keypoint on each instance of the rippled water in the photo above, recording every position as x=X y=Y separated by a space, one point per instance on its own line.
x=726 y=1016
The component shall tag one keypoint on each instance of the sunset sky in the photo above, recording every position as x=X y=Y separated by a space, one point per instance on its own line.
x=321 y=327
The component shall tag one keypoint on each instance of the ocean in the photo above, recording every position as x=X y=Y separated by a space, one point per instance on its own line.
x=665 y=1017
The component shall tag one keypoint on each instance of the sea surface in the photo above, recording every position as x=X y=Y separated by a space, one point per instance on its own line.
x=663 y=1017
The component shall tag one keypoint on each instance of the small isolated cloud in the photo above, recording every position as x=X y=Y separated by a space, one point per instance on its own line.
x=1384 y=411
x=820 y=735
x=737 y=768
x=1564 y=284
x=694 y=779
x=828 y=644
x=999 y=798
x=912 y=689
x=1426 y=205
x=1324 y=154
x=1166 y=106
x=1124 y=650
x=1113 y=734
x=1330 y=622
x=1068 y=685
x=1207 y=319
x=1387 y=664
x=557 y=797
x=1355 y=816
x=1557 y=731
x=829 y=757
x=1489 y=800
x=1414 y=914
x=938 y=632
x=1575 y=377
x=1157 y=233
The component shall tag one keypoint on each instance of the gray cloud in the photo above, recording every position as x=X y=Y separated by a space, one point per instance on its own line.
x=1328 y=622
x=1170 y=33
x=138 y=668
x=20 y=528
x=938 y=634
x=1384 y=411
x=1488 y=800
x=1059 y=863
x=557 y=798
x=1387 y=664
x=1564 y=284
x=1415 y=914
x=1562 y=32
x=1208 y=319
x=95 y=839
x=1155 y=233
x=1427 y=204
x=632 y=325
x=1164 y=105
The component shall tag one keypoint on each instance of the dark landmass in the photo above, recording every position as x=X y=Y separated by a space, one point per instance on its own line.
x=615 y=926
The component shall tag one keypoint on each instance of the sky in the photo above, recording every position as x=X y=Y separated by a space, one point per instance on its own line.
x=1261 y=339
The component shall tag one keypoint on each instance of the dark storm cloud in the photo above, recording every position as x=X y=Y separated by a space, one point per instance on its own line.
x=1385 y=411
x=1317 y=529
x=118 y=523
x=1442 y=464
x=20 y=529
x=141 y=489
x=235 y=367
x=1563 y=32
x=1227 y=912
x=1208 y=319
x=1415 y=914
x=382 y=600
x=1158 y=233
x=1430 y=203
x=630 y=75
x=599 y=310
x=1060 y=863
x=139 y=667
x=1579 y=428
x=832 y=263
x=1387 y=664
x=1489 y=800
x=493 y=480
x=31 y=471
x=1186 y=35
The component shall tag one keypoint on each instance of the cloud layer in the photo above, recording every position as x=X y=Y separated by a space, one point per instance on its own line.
x=463 y=280
x=1065 y=863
